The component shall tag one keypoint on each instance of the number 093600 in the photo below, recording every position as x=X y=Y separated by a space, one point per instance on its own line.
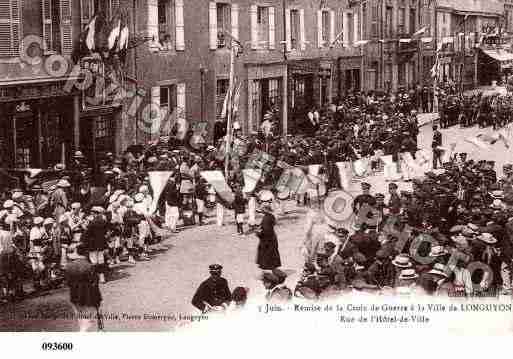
x=57 y=346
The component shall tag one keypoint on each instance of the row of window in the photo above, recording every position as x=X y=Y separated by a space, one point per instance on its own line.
x=166 y=23
x=56 y=19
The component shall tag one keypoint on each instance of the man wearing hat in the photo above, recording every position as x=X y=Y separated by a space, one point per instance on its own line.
x=95 y=238
x=59 y=198
x=362 y=198
x=84 y=291
x=382 y=271
x=171 y=196
x=213 y=293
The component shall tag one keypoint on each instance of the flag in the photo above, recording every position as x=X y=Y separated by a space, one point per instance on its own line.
x=436 y=67
x=419 y=32
x=217 y=180
x=114 y=32
x=479 y=142
x=236 y=98
x=90 y=30
x=158 y=181
x=225 y=104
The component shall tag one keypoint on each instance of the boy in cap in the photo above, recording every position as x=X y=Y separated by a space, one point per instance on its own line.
x=213 y=293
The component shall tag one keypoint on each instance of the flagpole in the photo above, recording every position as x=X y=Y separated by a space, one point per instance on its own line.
x=229 y=110
x=435 y=82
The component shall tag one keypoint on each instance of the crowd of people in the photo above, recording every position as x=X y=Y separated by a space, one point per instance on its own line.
x=110 y=214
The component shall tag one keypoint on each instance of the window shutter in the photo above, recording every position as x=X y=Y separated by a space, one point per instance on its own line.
x=345 y=29
x=332 y=26
x=288 y=40
x=319 y=28
x=235 y=21
x=66 y=27
x=86 y=12
x=114 y=6
x=152 y=20
x=47 y=24
x=212 y=24
x=254 y=26
x=10 y=28
x=180 y=98
x=180 y=26
x=356 y=30
x=302 y=40
x=272 y=30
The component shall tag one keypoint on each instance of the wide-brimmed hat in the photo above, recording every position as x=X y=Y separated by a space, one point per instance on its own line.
x=402 y=261
x=437 y=251
x=63 y=183
x=48 y=221
x=488 y=238
x=38 y=220
x=497 y=194
x=460 y=240
x=439 y=269
x=408 y=274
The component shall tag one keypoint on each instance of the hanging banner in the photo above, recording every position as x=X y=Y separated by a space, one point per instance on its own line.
x=217 y=180
x=158 y=180
x=345 y=172
x=251 y=178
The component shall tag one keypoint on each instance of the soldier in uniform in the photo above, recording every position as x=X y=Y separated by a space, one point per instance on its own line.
x=362 y=198
x=213 y=293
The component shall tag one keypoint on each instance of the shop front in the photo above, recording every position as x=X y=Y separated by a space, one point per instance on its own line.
x=37 y=124
x=265 y=94
x=349 y=75
x=309 y=86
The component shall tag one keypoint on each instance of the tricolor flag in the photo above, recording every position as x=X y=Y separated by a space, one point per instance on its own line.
x=236 y=99
x=115 y=30
x=90 y=31
x=436 y=67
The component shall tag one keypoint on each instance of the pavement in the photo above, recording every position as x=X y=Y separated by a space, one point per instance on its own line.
x=165 y=284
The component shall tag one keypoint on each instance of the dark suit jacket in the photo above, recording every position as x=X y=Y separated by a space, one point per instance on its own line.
x=213 y=291
x=83 y=283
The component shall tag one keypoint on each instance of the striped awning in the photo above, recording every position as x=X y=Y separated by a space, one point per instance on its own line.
x=504 y=57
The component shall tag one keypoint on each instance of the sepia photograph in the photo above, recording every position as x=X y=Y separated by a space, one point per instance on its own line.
x=174 y=166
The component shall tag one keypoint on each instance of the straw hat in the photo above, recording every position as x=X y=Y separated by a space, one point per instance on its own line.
x=439 y=269
x=408 y=274
x=402 y=261
x=488 y=238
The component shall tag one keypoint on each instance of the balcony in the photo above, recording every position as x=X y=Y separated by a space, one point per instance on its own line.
x=404 y=46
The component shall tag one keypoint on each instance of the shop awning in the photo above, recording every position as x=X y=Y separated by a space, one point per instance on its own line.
x=504 y=57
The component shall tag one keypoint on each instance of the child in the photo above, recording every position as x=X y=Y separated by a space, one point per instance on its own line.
x=239 y=206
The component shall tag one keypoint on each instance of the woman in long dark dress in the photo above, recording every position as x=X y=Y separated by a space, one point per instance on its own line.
x=268 y=255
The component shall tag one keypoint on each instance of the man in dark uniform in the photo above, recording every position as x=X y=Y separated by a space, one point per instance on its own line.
x=365 y=197
x=435 y=145
x=213 y=292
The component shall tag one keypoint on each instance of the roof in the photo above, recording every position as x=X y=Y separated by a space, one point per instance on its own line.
x=491 y=7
